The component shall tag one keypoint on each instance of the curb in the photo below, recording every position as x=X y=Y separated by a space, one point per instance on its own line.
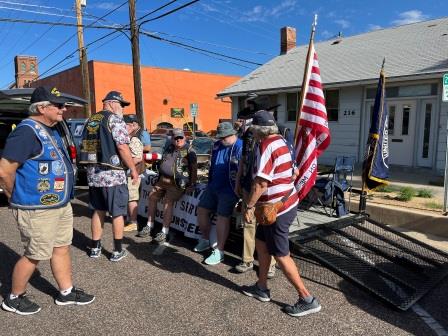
x=414 y=220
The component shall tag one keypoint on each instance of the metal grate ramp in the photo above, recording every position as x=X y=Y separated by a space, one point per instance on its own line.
x=393 y=266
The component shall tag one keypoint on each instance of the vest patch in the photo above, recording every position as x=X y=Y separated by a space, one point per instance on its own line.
x=57 y=167
x=43 y=184
x=44 y=168
x=49 y=199
x=59 y=184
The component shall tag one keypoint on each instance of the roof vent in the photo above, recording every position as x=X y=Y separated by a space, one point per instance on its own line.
x=432 y=25
x=338 y=39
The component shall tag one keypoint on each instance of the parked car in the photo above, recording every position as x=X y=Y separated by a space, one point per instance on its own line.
x=203 y=147
x=163 y=131
x=14 y=105
x=189 y=134
x=159 y=142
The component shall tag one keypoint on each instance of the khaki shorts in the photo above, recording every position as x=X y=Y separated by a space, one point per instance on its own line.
x=42 y=230
x=134 y=192
x=165 y=187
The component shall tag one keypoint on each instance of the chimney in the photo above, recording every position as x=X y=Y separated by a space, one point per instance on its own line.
x=287 y=39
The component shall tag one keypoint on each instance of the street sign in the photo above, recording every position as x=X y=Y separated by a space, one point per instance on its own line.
x=445 y=88
x=194 y=107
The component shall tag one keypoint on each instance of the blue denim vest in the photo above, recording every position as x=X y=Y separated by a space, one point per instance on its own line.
x=42 y=182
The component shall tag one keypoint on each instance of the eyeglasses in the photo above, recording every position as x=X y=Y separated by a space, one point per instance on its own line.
x=57 y=105
x=178 y=138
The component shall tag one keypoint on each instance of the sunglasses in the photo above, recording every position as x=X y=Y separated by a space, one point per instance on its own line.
x=178 y=138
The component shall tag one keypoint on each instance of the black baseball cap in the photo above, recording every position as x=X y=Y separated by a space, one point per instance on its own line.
x=51 y=95
x=263 y=118
x=130 y=118
x=115 y=95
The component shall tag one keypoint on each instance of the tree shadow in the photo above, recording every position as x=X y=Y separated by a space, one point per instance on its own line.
x=9 y=259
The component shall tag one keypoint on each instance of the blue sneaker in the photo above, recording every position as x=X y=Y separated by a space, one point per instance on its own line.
x=215 y=258
x=202 y=245
x=302 y=308
x=264 y=295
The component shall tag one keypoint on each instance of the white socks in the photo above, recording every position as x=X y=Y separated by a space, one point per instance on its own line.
x=66 y=291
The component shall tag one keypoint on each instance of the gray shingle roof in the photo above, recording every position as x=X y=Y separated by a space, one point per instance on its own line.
x=413 y=49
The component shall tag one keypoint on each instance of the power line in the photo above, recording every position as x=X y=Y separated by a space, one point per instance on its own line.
x=214 y=44
x=183 y=45
x=61 y=24
x=169 y=12
x=31 y=5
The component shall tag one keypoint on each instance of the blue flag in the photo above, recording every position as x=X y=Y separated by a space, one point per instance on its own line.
x=376 y=165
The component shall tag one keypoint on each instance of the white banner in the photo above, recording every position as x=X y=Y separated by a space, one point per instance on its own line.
x=184 y=211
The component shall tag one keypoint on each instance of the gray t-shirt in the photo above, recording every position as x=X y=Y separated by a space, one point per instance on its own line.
x=167 y=166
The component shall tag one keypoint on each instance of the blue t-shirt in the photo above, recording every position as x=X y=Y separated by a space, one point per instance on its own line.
x=220 y=172
x=30 y=146
x=145 y=138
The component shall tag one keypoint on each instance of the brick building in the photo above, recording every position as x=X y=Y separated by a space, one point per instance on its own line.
x=167 y=93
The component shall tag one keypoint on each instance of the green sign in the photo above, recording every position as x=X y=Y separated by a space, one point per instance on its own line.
x=445 y=88
x=194 y=109
x=177 y=112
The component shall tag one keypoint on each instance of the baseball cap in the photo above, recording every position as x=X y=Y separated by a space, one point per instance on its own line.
x=263 y=118
x=225 y=129
x=177 y=132
x=43 y=93
x=115 y=95
x=130 y=118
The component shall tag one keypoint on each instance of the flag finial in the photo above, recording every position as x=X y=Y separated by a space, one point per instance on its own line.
x=314 y=22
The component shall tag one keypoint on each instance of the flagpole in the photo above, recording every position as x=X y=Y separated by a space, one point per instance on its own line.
x=305 y=77
x=363 y=199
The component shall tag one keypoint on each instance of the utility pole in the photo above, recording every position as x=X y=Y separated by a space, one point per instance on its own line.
x=136 y=65
x=83 y=57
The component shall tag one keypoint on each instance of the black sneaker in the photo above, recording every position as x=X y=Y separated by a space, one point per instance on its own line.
x=77 y=297
x=20 y=305
x=302 y=308
x=118 y=255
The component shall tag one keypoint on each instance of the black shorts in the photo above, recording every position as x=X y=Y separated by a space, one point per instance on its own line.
x=276 y=236
x=111 y=199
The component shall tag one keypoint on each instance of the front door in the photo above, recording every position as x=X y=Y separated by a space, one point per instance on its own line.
x=426 y=133
x=401 y=131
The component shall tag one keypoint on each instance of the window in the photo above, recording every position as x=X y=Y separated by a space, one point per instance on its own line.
x=405 y=123
x=332 y=104
x=427 y=131
x=32 y=67
x=391 y=126
x=406 y=91
x=23 y=67
x=291 y=106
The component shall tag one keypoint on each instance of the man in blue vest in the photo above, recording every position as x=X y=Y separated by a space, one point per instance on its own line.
x=219 y=196
x=105 y=151
x=38 y=179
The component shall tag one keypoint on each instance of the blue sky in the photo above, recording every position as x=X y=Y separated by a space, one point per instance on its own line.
x=245 y=29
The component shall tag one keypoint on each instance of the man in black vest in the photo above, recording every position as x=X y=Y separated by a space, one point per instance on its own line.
x=105 y=150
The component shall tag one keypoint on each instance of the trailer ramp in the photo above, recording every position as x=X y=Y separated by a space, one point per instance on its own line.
x=395 y=267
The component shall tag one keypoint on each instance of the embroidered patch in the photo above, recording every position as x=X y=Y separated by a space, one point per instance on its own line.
x=43 y=134
x=91 y=157
x=43 y=184
x=57 y=167
x=44 y=168
x=59 y=184
x=49 y=199
x=53 y=154
x=115 y=160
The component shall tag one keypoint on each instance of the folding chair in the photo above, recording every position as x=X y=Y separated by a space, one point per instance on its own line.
x=330 y=190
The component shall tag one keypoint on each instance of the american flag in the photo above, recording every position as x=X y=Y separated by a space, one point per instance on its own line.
x=312 y=132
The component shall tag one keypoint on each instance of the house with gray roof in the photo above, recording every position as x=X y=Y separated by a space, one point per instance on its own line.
x=416 y=59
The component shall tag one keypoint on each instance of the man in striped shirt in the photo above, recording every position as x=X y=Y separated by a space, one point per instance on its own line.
x=273 y=183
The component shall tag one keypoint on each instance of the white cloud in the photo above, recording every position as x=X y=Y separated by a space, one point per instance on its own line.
x=410 y=17
x=374 y=27
x=103 y=5
x=343 y=23
x=209 y=8
x=261 y=13
x=326 y=34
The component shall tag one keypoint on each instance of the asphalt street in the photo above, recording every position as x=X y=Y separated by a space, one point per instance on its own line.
x=167 y=290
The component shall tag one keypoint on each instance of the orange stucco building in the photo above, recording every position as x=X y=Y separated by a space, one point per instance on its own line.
x=164 y=91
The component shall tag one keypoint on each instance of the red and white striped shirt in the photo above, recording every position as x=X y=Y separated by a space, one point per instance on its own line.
x=273 y=163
